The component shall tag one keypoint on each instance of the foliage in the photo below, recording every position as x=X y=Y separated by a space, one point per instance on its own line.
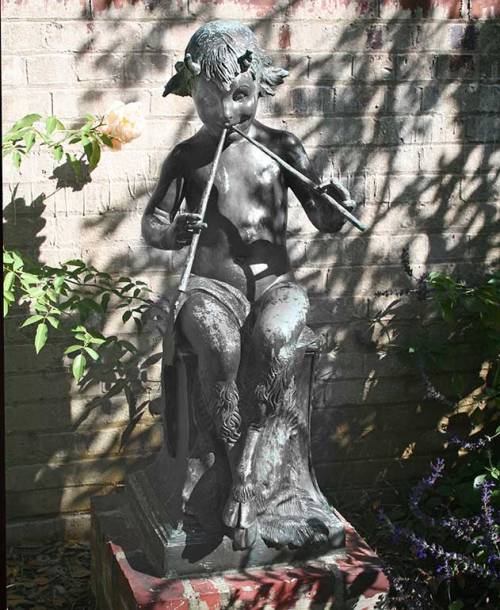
x=71 y=298
x=451 y=521
x=50 y=133
x=455 y=548
x=69 y=295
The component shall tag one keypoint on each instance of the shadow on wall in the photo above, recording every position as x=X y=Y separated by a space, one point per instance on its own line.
x=411 y=133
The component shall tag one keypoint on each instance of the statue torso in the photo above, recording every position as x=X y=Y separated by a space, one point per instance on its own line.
x=245 y=242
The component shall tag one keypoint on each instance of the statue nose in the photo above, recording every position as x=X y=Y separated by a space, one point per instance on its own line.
x=227 y=111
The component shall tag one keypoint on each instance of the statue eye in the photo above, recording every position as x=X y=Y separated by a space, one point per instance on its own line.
x=240 y=94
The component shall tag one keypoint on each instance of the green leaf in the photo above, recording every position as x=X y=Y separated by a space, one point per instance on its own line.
x=129 y=346
x=7 y=258
x=54 y=322
x=35 y=292
x=456 y=605
x=8 y=296
x=8 y=281
x=75 y=262
x=29 y=140
x=58 y=152
x=92 y=353
x=51 y=294
x=72 y=348
x=41 y=336
x=79 y=366
x=18 y=261
x=26 y=121
x=126 y=316
x=105 y=301
x=105 y=139
x=5 y=307
x=95 y=155
x=31 y=320
x=87 y=147
x=59 y=282
x=51 y=125
x=41 y=307
x=16 y=159
x=97 y=340
x=28 y=278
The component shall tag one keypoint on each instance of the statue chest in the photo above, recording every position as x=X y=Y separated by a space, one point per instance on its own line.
x=248 y=192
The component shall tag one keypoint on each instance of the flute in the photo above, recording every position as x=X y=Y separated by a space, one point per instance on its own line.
x=357 y=223
x=196 y=237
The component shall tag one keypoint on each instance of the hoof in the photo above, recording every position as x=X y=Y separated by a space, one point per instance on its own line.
x=231 y=513
x=244 y=538
x=239 y=515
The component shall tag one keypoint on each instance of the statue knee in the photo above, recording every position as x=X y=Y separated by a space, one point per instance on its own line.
x=213 y=336
x=282 y=318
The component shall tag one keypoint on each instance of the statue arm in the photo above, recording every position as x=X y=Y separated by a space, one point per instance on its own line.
x=157 y=226
x=323 y=215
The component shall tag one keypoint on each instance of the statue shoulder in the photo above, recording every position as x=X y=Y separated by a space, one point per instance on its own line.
x=178 y=161
x=181 y=153
x=282 y=142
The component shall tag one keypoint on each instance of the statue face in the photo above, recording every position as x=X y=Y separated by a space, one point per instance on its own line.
x=218 y=108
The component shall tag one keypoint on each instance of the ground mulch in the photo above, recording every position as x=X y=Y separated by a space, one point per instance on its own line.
x=49 y=577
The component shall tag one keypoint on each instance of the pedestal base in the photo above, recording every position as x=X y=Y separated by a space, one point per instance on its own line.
x=122 y=579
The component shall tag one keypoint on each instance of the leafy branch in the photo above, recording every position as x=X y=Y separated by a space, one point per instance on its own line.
x=51 y=133
x=72 y=291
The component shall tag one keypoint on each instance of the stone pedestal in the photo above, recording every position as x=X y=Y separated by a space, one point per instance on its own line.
x=123 y=579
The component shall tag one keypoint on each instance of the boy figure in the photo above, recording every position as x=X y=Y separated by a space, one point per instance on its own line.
x=243 y=314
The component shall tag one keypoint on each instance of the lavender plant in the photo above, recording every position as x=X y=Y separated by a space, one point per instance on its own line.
x=460 y=554
x=451 y=521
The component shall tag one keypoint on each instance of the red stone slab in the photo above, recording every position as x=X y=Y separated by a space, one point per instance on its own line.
x=351 y=578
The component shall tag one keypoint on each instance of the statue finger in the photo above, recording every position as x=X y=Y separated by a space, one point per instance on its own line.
x=161 y=213
x=161 y=219
x=198 y=226
x=336 y=184
x=350 y=204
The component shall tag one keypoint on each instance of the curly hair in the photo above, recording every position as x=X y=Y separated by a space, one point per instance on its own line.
x=219 y=51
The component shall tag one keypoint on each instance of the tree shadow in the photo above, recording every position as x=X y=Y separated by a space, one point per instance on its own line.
x=377 y=104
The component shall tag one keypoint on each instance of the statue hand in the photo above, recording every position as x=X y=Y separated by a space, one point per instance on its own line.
x=185 y=225
x=337 y=191
x=331 y=219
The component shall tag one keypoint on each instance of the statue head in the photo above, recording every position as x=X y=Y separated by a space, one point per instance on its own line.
x=218 y=52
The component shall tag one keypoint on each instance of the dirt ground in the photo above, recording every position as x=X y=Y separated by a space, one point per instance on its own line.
x=49 y=577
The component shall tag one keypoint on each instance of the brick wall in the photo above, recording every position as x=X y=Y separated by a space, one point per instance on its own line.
x=398 y=99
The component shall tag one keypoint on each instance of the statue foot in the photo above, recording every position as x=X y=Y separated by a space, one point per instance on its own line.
x=239 y=515
x=239 y=512
x=244 y=538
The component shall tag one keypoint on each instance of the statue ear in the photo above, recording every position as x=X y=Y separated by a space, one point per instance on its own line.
x=191 y=65
x=178 y=84
x=245 y=60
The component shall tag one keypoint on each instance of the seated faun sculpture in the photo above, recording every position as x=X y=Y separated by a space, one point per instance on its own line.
x=243 y=315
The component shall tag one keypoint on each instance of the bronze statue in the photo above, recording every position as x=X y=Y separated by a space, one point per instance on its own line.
x=241 y=313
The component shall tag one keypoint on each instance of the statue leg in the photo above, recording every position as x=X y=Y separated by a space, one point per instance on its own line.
x=214 y=336
x=279 y=318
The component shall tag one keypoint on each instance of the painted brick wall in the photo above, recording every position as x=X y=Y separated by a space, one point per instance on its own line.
x=398 y=99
